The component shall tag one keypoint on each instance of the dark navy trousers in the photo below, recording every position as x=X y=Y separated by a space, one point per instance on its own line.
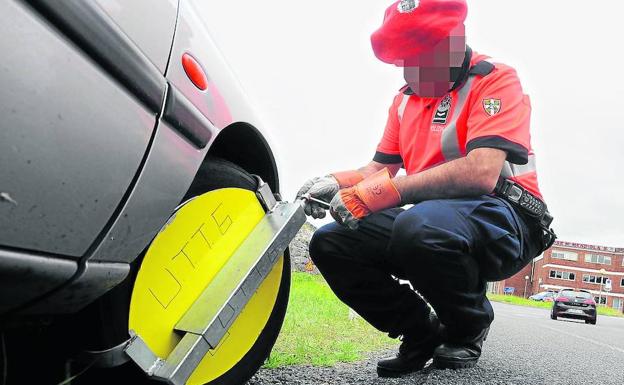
x=448 y=249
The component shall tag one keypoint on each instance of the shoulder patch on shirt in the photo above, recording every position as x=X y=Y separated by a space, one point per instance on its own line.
x=492 y=106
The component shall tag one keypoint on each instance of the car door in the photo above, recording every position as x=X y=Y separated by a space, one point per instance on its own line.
x=79 y=102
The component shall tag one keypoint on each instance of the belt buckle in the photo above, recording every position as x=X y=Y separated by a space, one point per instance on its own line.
x=546 y=220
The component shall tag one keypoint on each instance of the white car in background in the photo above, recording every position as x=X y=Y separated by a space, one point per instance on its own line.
x=545 y=296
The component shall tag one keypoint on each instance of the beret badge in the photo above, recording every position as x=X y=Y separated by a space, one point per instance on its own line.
x=407 y=6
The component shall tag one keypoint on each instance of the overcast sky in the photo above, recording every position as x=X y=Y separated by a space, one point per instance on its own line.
x=308 y=68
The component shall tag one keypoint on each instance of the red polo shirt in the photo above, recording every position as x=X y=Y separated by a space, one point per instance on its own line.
x=488 y=109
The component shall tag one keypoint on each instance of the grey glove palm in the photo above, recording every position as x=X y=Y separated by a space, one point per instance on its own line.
x=323 y=188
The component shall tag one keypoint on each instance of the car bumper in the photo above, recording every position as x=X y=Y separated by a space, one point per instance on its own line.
x=574 y=312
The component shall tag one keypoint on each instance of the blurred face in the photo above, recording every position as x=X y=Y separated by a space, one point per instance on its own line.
x=433 y=73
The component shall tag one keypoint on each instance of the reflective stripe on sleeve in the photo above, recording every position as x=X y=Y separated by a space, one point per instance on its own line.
x=450 y=143
x=513 y=170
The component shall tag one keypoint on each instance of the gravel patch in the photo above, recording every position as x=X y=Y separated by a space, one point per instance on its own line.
x=299 y=254
x=365 y=373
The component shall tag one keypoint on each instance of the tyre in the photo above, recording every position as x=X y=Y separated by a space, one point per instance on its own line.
x=552 y=315
x=41 y=347
x=241 y=363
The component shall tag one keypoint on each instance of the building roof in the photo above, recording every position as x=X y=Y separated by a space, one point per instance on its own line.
x=583 y=246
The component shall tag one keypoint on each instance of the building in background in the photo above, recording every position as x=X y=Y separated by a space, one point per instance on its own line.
x=597 y=269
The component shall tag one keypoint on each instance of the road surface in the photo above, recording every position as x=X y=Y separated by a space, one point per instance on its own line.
x=524 y=347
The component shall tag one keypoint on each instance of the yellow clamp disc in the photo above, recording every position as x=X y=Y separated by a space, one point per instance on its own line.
x=182 y=260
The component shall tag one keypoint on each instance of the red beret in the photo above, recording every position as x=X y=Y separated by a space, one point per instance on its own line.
x=411 y=27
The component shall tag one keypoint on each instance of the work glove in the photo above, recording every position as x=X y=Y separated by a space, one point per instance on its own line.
x=325 y=188
x=375 y=193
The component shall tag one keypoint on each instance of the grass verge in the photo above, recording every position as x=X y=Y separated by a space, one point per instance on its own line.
x=317 y=329
x=545 y=305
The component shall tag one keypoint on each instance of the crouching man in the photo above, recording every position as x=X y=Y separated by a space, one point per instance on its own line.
x=460 y=128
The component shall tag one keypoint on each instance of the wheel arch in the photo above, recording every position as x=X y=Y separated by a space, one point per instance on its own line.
x=244 y=145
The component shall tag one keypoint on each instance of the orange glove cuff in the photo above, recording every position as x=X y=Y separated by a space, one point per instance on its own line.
x=352 y=202
x=348 y=178
x=378 y=192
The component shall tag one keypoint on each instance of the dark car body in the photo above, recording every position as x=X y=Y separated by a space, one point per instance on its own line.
x=575 y=304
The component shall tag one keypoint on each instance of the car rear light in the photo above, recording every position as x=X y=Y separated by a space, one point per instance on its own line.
x=590 y=302
x=562 y=299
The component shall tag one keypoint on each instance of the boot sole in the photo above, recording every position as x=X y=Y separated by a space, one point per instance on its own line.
x=442 y=363
x=456 y=363
x=389 y=373
x=381 y=372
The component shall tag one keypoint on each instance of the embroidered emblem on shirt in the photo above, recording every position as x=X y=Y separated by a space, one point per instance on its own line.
x=492 y=106
x=442 y=113
x=407 y=6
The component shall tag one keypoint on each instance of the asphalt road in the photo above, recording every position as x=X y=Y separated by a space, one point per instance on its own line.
x=524 y=347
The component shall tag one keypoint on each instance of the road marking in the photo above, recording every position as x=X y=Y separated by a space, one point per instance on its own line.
x=585 y=339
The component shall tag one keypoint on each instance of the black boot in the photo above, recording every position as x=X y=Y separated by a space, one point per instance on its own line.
x=460 y=351
x=416 y=349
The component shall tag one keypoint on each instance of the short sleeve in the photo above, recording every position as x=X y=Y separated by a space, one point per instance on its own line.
x=388 y=150
x=500 y=116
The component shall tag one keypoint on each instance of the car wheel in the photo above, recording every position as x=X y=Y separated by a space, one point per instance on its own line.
x=245 y=349
x=593 y=322
x=553 y=315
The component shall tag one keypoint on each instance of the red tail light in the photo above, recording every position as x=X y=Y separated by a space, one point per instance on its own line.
x=590 y=302
x=562 y=299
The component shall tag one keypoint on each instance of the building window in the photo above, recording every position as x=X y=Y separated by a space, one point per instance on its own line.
x=566 y=255
x=562 y=275
x=597 y=279
x=601 y=300
x=597 y=258
x=618 y=304
x=622 y=282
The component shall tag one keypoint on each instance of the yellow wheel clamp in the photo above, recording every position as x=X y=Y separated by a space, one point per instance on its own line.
x=208 y=283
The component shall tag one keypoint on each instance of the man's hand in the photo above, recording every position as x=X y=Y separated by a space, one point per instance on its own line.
x=373 y=194
x=350 y=215
x=323 y=188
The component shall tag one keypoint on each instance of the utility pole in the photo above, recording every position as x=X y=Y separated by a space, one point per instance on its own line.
x=602 y=273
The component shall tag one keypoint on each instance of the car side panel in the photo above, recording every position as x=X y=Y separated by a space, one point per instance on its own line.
x=167 y=175
x=149 y=23
x=71 y=139
x=173 y=161
x=95 y=279
x=24 y=277
x=225 y=101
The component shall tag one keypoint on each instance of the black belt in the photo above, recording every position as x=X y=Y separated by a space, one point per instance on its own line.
x=530 y=205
